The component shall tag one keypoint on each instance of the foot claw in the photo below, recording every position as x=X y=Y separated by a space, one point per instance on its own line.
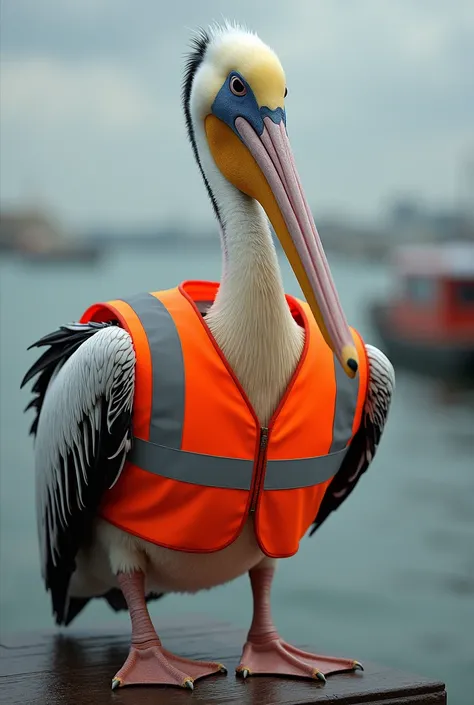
x=154 y=665
x=276 y=657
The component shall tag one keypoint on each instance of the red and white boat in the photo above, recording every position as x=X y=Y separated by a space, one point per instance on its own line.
x=428 y=324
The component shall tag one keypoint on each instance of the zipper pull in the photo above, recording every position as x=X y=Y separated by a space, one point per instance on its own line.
x=260 y=459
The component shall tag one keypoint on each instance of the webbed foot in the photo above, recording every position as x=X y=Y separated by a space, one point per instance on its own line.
x=153 y=665
x=276 y=657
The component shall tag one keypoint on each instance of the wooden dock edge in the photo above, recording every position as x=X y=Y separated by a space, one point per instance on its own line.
x=76 y=667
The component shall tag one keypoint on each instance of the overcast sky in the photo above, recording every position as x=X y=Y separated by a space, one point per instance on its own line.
x=381 y=102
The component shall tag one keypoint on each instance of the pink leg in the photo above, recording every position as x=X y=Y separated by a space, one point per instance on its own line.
x=266 y=653
x=148 y=662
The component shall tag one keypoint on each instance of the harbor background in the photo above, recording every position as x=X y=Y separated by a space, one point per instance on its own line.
x=99 y=197
x=389 y=578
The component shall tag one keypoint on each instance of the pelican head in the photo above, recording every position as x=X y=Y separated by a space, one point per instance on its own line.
x=234 y=99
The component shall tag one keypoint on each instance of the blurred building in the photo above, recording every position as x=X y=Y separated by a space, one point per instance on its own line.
x=410 y=222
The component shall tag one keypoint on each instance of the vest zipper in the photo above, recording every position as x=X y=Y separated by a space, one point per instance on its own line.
x=260 y=467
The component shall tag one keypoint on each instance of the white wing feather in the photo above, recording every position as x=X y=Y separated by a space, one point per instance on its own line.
x=95 y=383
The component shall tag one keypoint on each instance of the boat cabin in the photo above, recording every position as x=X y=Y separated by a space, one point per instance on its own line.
x=435 y=291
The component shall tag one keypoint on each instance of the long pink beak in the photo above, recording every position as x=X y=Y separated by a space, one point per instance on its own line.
x=273 y=154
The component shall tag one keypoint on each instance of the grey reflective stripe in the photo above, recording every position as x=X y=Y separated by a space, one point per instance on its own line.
x=302 y=472
x=232 y=473
x=167 y=411
x=207 y=470
x=347 y=390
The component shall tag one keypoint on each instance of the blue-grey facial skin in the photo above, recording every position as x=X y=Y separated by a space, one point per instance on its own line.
x=228 y=107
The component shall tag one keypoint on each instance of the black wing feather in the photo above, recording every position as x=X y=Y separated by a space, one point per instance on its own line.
x=366 y=441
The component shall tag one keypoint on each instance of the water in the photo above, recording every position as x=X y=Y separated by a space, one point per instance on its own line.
x=389 y=578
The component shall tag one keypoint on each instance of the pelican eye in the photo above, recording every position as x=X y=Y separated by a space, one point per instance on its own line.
x=237 y=87
x=286 y=93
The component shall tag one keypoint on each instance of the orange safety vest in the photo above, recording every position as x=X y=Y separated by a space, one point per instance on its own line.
x=200 y=462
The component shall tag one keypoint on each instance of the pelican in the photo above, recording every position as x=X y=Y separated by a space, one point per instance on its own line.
x=234 y=94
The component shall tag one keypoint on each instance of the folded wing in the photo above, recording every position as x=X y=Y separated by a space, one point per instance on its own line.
x=83 y=401
x=365 y=442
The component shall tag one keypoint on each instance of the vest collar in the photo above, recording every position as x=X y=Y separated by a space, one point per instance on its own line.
x=200 y=291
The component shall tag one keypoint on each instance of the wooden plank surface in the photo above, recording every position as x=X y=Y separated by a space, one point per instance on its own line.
x=74 y=667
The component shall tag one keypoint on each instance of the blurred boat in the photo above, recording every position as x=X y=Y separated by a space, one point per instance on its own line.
x=39 y=238
x=75 y=252
x=427 y=326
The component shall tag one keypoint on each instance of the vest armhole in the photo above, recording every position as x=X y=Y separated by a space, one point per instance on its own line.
x=102 y=312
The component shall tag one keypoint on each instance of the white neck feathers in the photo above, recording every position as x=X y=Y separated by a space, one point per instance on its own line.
x=250 y=318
